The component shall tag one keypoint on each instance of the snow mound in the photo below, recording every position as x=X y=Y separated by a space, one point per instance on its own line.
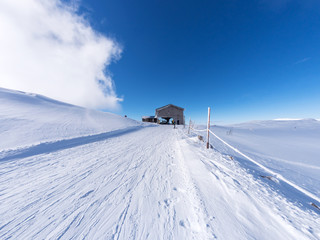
x=29 y=119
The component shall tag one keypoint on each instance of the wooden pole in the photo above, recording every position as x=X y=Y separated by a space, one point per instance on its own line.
x=208 y=127
x=189 y=126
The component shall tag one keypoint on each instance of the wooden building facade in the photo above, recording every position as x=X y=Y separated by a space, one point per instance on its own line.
x=166 y=114
x=170 y=112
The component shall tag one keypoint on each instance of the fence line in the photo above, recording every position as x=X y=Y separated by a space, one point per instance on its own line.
x=261 y=166
x=198 y=130
x=268 y=170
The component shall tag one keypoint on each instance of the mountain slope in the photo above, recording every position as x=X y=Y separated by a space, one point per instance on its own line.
x=28 y=119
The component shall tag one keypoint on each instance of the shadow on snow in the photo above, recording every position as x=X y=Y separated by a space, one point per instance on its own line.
x=49 y=147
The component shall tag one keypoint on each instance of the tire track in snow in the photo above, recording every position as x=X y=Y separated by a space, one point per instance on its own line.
x=83 y=188
x=201 y=218
x=140 y=185
x=69 y=187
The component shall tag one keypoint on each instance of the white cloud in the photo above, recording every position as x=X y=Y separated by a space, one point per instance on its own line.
x=46 y=48
x=303 y=60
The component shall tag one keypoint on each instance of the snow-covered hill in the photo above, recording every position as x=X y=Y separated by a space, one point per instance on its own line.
x=28 y=119
x=71 y=173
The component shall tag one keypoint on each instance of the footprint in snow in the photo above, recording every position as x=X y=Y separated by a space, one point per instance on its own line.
x=179 y=190
x=181 y=223
x=170 y=201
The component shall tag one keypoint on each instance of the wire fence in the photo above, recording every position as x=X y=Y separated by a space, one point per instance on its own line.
x=198 y=130
x=280 y=177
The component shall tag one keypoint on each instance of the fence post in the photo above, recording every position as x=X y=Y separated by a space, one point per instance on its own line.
x=208 y=127
x=189 y=125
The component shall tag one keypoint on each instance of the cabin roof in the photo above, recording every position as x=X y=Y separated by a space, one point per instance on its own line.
x=169 y=105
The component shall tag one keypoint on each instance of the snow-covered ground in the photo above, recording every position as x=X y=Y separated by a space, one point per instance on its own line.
x=27 y=119
x=290 y=148
x=63 y=176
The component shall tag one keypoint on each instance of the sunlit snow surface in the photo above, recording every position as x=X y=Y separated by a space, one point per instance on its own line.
x=27 y=119
x=288 y=147
x=71 y=173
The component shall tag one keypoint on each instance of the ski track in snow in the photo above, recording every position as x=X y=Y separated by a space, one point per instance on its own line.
x=153 y=183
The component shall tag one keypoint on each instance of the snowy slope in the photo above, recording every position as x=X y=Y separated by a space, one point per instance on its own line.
x=124 y=180
x=28 y=119
x=288 y=147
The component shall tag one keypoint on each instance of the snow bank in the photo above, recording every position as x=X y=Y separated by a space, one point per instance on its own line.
x=29 y=119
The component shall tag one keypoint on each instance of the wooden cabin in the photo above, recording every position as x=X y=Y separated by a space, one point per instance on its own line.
x=168 y=113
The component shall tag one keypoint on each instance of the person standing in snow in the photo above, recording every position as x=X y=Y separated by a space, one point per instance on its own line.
x=174 y=124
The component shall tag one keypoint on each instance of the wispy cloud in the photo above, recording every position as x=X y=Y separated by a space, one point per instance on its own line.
x=47 y=48
x=303 y=60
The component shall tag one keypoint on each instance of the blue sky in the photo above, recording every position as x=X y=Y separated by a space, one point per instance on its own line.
x=247 y=60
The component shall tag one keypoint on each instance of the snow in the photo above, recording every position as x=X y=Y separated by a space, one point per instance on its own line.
x=29 y=119
x=290 y=148
x=72 y=173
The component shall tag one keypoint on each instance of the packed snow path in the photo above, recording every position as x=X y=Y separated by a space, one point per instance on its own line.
x=144 y=183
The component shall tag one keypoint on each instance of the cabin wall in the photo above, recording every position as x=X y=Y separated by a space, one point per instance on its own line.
x=172 y=112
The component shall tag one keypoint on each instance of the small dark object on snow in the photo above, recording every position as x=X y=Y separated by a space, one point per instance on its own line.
x=125 y=115
x=267 y=177
x=312 y=204
x=200 y=138
x=232 y=159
